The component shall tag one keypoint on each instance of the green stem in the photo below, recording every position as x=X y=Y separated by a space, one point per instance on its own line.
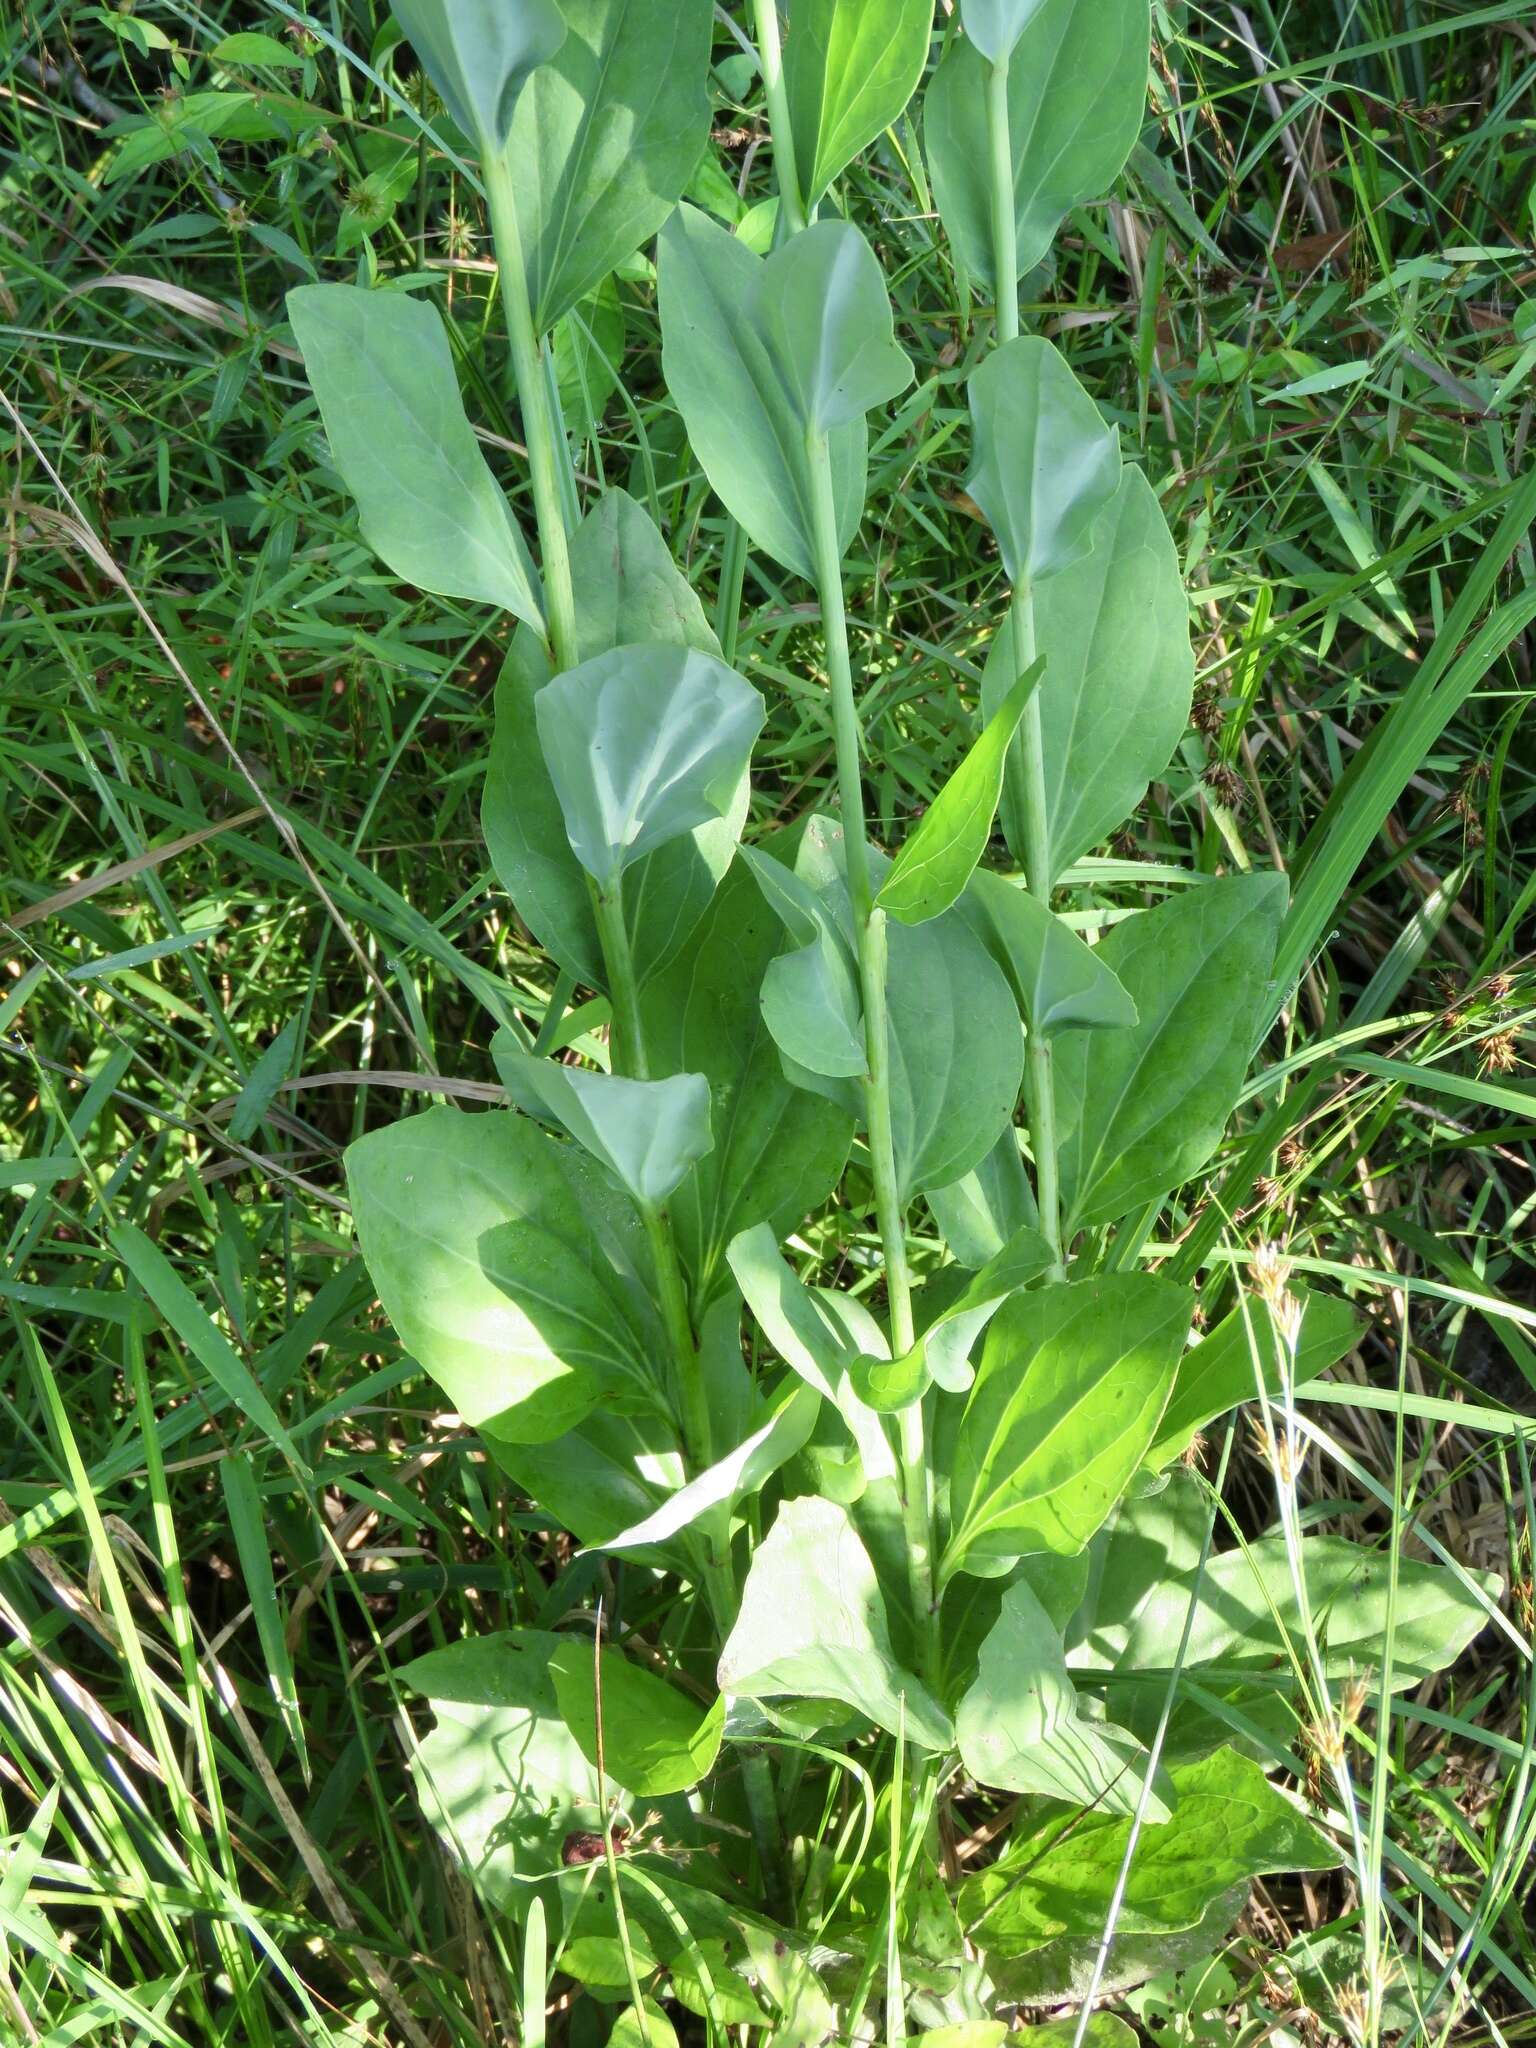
x=538 y=426
x=1026 y=770
x=869 y=927
x=771 y=59
x=1005 y=238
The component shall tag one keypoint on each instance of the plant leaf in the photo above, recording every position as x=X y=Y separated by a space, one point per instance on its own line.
x=825 y=315
x=937 y=861
x=1077 y=87
x=627 y=589
x=642 y=745
x=812 y=1624
x=779 y=1150
x=508 y=1266
x=1113 y=631
x=1246 y=1611
x=994 y=26
x=729 y=388
x=980 y=1213
x=428 y=506
x=479 y=54
x=810 y=996
x=1046 y=463
x=1072 y=1381
x=1019 y=1729
x=605 y=139
x=1057 y=980
x=740 y=1473
x=655 y=1739
x=605 y=1476
x=1142 y=1109
x=948 y=1338
x=1218 y=1373
x=648 y=1133
x=850 y=67
x=1228 y=1825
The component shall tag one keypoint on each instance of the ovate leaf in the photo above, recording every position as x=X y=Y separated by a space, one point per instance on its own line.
x=980 y=1213
x=1228 y=1825
x=729 y=387
x=479 y=53
x=1072 y=1381
x=1113 y=632
x=647 y=1133
x=778 y=1150
x=812 y=1624
x=1046 y=463
x=825 y=314
x=655 y=1739
x=627 y=589
x=938 y=858
x=740 y=1473
x=1057 y=980
x=1140 y=1110
x=850 y=66
x=994 y=26
x=428 y=506
x=1019 y=1729
x=1219 y=1372
x=604 y=140
x=1077 y=85
x=643 y=744
x=810 y=994
x=509 y=1267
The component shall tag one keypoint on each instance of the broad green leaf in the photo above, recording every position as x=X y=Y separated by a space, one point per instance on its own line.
x=1077 y=86
x=249 y=47
x=1246 y=1611
x=1228 y=1825
x=653 y=2030
x=479 y=54
x=779 y=1150
x=812 y=1624
x=938 y=859
x=627 y=589
x=643 y=744
x=1103 y=2031
x=1073 y=1379
x=825 y=315
x=428 y=506
x=1113 y=631
x=729 y=388
x=983 y=1211
x=1219 y=1372
x=1142 y=1109
x=648 y=1133
x=1057 y=980
x=1019 y=1728
x=810 y=997
x=178 y=125
x=602 y=1478
x=995 y=26
x=956 y=1050
x=739 y=1474
x=604 y=140
x=1068 y=1969
x=509 y=1266
x=655 y=1739
x=1046 y=463
x=850 y=67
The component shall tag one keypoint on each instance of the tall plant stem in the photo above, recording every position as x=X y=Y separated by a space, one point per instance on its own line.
x=1026 y=760
x=869 y=927
x=544 y=458
x=1005 y=238
x=771 y=59
x=1026 y=770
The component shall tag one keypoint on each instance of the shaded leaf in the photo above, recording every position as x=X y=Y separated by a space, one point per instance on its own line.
x=428 y=506
x=850 y=67
x=810 y=995
x=479 y=54
x=825 y=315
x=1057 y=980
x=647 y=1133
x=1139 y=1110
x=740 y=1473
x=655 y=1739
x=1046 y=462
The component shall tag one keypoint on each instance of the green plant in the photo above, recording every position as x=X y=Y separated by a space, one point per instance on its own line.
x=579 y=1296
